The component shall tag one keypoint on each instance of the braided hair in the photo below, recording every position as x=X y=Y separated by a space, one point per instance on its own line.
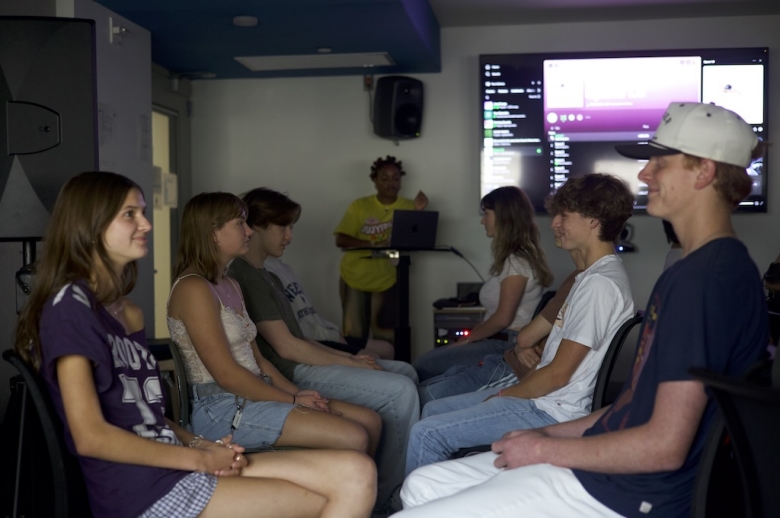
x=381 y=162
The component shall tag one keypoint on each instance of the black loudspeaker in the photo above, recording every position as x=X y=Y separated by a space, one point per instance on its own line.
x=398 y=106
x=48 y=117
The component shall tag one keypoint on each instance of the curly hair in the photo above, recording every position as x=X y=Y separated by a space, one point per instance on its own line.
x=382 y=162
x=516 y=232
x=599 y=196
x=75 y=249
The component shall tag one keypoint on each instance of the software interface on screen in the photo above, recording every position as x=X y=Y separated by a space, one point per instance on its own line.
x=548 y=117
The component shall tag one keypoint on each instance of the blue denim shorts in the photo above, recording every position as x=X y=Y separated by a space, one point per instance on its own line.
x=261 y=424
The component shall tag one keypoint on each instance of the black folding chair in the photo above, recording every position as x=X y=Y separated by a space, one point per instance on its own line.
x=751 y=414
x=602 y=396
x=40 y=478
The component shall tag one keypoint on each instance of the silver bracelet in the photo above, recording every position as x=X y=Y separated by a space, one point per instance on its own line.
x=195 y=442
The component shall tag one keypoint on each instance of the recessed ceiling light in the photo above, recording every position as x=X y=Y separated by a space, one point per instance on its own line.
x=245 y=21
x=316 y=61
x=324 y=50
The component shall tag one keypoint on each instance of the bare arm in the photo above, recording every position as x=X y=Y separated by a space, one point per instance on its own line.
x=345 y=241
x=307 y=398
x=292 y=348
x=661 y=444
x=552 y=376
x=576 y=427
x=532 y=332
x=277 y=378
x=94 y=437
x=186 y=437
x=315 y=343
x=527 y=351
x=509 y=297
x=194 y=303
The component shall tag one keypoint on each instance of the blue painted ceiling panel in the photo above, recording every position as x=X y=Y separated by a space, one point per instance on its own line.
x=192 y=36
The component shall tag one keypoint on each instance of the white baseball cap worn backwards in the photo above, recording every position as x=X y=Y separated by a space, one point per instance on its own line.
x=702 y=130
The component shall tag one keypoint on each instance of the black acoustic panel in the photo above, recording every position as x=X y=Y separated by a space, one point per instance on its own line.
x=398 y=107
x=48 y=113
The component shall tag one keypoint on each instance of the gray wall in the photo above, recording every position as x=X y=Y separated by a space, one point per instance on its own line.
x=312 y=138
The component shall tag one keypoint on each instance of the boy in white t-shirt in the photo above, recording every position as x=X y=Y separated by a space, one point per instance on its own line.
x=590 y=212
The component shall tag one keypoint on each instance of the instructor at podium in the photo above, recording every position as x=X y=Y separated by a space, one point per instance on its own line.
x=368 y=287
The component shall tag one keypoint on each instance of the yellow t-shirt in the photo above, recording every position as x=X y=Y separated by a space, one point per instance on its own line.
x=368 y=219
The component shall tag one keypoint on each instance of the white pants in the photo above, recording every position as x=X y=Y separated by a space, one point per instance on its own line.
x=474 y=487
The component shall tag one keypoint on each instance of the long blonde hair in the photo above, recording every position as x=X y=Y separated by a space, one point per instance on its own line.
x=204 y=214
x=74 y=249
x=516 y=232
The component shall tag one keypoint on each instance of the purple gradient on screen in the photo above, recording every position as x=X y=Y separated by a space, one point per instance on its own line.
x=624 y=94
x=613 y=121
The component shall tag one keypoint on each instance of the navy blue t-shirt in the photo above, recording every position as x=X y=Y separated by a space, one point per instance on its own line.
x=127 y=382
x=707 y=310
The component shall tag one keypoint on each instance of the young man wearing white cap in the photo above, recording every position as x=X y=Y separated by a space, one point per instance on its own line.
x=638 y=457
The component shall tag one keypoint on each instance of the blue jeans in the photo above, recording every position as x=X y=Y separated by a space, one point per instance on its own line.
x=460 y=379
x=437 y=361
x=390 y=393
x=464 y=421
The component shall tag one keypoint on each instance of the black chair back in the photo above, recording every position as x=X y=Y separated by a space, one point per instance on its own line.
x=34 y=416
x=717 y=492
x=600 y=393
x=182 y=386
x=752 y=417
x=546 y=297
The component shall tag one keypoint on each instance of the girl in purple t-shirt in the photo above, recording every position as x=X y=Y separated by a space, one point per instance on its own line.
x=88 y=342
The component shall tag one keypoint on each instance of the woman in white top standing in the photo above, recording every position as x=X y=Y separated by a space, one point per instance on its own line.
x=518 y=276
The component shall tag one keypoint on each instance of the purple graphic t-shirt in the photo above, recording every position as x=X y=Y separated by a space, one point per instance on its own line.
x=128 y=384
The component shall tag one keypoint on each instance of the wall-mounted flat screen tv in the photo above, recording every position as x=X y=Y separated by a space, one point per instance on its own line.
x=547 y=117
